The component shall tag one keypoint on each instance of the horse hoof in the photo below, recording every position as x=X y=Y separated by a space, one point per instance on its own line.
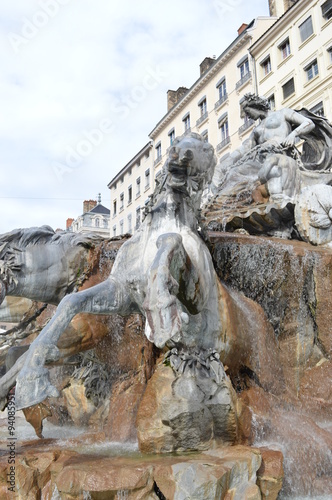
x=32 y=388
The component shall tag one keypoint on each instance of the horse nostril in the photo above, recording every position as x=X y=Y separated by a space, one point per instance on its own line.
x=188 y=154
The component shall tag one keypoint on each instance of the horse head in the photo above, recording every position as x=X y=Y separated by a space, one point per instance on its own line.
x=190 y=166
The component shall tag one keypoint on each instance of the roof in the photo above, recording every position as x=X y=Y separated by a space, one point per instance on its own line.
x=100 y=209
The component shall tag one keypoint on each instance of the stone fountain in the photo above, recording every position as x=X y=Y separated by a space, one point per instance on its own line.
x=205 y=352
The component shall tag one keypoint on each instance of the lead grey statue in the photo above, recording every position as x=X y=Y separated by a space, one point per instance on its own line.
x=258 y=185
x=164 y=271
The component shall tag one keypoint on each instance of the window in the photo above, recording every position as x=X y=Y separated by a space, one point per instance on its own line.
x=244 y=68
x=311 y=70
x=121 y=201
x=224 y=130
x=327 y=10
x=266 y=66
x=205 y=136
x=158 y=150
x=223 y=125
x=114 y=230
x=121 y=226
x=186 y=122
x=272 y=102
x=285 y=49
x=288 y=88
x=129 y=221
x=171 y=135
x=114 y=208
x=138 y=186
x=329 y=50
x=97 y=223
x=221 y=86
x=318 y=109
x=138 y=217
x=147 y=178
x=130 y=194
x=203 y=107
x=306 y=29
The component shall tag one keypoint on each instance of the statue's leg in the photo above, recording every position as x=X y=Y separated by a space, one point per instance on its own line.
x=9 y=379
x=33 y=385
x=172 y=292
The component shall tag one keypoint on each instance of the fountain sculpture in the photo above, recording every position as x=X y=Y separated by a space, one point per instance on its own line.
x=235 y=358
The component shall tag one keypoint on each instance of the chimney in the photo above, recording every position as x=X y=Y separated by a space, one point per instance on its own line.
x=279 y=7
x=173 y=96
x=88 y=205
x=242 y=28
x=206 y=64
x=69 y=223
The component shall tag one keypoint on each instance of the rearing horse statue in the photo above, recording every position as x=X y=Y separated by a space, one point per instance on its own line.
x=164 y=271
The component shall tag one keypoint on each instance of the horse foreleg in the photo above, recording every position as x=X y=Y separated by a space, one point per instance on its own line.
x=33 y=385
x=173 y=291
x=9 y=379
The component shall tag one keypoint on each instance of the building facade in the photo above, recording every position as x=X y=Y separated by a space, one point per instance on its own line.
x=95 y=218
x=130 y=191
x=293 y=59
x=211 y=107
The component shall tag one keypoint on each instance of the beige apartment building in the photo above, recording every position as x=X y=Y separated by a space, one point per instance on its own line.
x=130 y=190
x=292 y=60
x=211 y=107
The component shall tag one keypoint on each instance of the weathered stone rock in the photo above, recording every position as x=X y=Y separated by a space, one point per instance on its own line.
x=292 y=283
x=315 y=391
x=270 y=474
x=306 y=446
x=229 y=472
x=176 y=414
x=80 y=408
x=123 y=407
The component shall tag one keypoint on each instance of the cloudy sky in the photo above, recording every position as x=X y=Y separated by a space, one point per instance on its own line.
x=83 y=82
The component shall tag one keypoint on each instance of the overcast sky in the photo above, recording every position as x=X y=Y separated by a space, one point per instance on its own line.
x=82 y=84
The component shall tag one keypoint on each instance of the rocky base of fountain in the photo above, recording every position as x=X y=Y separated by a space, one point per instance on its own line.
x=47 y=471
x=281 y=372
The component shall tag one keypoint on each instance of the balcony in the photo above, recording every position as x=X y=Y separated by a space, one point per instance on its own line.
x=157 y=160
x=202 y=119
x=249 y=123
x=223 y=143
x=221 y=101
x=243 y=80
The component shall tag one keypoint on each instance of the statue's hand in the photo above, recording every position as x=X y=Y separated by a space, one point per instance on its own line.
x=290 y=140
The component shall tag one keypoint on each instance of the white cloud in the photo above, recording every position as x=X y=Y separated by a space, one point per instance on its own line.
x=63 y=81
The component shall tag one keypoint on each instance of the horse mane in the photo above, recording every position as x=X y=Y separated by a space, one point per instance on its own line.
x=21 y=238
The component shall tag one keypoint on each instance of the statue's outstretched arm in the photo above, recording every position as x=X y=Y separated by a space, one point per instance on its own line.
x=303 y=126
